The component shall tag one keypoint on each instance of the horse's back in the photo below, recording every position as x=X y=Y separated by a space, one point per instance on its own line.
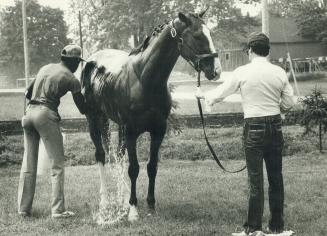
x=111 y=59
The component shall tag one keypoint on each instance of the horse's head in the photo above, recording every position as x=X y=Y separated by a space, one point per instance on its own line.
x=196 y=46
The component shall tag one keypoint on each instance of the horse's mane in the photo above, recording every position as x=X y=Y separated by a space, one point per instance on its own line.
x=141 y=47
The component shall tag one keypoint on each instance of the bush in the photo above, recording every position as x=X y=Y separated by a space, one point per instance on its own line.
x=315 y=113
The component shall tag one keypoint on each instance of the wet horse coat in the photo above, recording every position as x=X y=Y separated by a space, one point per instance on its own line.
x=132 y=90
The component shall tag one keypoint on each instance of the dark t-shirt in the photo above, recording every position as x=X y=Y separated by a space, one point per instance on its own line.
x=51 y=83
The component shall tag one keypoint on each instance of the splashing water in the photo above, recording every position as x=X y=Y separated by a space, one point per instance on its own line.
x=117 y=206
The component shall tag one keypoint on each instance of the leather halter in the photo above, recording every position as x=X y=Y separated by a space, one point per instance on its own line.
x=198 y=57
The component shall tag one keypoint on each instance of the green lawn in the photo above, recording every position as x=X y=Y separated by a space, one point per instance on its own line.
x=193 y=198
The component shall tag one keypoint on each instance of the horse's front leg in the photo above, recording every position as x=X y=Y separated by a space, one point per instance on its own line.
x=133 y=172
x=95 y=128
x=121 y=148
x=157 y=136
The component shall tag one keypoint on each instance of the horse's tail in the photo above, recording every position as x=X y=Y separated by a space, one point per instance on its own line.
x=87 y=74
x=86 y=78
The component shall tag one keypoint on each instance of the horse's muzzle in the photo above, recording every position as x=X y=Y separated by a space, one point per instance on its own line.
x=217 y=74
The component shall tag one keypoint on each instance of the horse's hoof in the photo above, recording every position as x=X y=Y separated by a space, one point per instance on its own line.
x=133 y=214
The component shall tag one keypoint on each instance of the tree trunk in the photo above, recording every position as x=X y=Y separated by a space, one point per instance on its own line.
x=135 y=39
x=320 y=136
x=141 y=33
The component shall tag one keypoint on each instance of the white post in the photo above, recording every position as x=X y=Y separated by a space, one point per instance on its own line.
x=265 y=17
x=26 y=57
x=293 y=74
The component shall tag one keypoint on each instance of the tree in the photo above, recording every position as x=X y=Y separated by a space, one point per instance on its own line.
x=310 y=16
x=315 y=113
x=112 y=23
x=231 y=26
x=47 y=35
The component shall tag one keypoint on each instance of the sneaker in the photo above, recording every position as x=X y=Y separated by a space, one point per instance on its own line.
x=273 y=231
x=244 y=233
x=64 y=214
x=24 y=214
x=257 y=233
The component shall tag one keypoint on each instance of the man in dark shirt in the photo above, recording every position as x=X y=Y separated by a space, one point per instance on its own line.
x=42 y=121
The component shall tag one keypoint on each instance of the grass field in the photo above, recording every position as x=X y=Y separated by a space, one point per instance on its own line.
x=193 y=198
x=189 y=145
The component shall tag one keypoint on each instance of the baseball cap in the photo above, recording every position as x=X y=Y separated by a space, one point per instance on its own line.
x=258 y=38
x=73 y=51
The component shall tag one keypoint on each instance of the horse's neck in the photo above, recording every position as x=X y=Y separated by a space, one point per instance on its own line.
x=158 y=60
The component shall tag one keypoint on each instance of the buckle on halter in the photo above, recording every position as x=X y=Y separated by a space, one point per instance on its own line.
x=173 y=32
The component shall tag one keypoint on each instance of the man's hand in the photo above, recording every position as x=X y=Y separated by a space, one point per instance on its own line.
x=199 y=94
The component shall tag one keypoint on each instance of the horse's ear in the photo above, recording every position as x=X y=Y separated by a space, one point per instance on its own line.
x=184 y=18
x=201 y=14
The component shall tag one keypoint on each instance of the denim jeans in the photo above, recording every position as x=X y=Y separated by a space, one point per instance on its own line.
x=41 y=122
x=263 y=140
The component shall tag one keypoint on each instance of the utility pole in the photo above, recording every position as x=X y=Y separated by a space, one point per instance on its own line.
x=26 y=57
x=265 y=17
x=80 y=30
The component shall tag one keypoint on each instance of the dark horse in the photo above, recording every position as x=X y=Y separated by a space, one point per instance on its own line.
x=132 y=91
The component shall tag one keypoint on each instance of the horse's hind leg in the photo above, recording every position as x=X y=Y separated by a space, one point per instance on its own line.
x=157 y=136
x=96 y=128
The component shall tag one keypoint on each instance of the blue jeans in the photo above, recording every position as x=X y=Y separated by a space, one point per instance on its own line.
x=263 y=140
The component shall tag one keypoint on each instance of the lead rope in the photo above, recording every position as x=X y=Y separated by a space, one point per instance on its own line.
x=214 y=155
x=196 y=66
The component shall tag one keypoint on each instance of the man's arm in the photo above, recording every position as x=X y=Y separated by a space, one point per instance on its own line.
x=80 y=102
x=288 y=100
x=228 y=87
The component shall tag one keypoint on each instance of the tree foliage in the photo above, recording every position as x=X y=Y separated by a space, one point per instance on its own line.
x=112 y=23
x=47 y=35
x=310 y=15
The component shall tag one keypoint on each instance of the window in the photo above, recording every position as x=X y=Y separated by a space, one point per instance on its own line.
x=227 y=56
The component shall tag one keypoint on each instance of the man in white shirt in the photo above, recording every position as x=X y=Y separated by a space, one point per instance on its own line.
x=265 y=92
